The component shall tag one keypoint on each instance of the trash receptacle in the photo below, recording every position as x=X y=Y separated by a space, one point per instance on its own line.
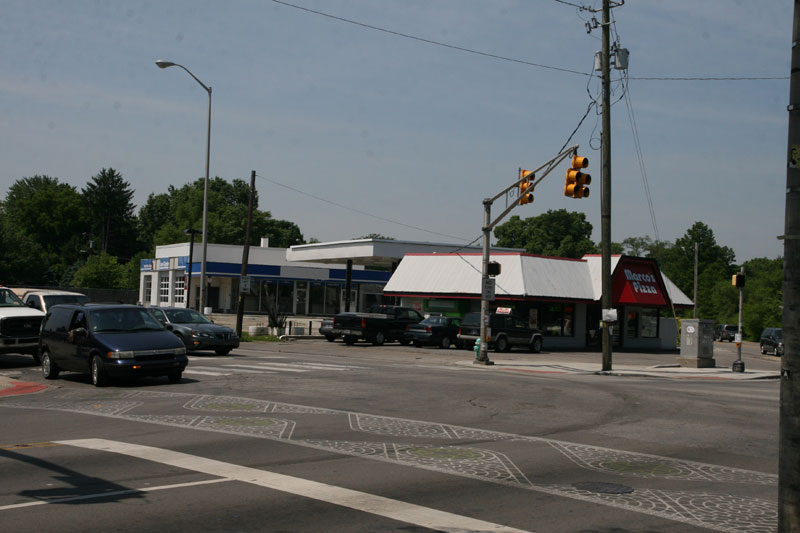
x=697 y=343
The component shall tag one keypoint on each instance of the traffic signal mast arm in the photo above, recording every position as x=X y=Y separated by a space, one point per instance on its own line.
x=549 y=166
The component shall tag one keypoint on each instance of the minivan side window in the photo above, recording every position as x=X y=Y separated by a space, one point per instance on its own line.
x=58 y=320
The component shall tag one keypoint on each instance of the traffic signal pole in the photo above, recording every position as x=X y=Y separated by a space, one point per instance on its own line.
x=525 y=185
x=605 y=179
x=789 y=440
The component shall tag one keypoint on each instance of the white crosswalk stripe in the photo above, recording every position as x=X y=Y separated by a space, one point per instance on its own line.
x=254 y=366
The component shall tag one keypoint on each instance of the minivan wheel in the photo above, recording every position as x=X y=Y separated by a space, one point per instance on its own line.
x=49 y=368
x=445 y=344
x=99 y=378
x=763 y=350
x=379 y=339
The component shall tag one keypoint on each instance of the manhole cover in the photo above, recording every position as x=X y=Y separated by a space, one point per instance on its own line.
x=603 y=488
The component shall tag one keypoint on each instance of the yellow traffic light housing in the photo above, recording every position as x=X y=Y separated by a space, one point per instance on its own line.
x=577 y=180
x=525 y=196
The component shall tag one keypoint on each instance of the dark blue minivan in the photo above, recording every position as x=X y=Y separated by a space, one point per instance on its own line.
x=108 y=341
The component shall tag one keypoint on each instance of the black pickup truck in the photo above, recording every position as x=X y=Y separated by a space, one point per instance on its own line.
x=382 y=323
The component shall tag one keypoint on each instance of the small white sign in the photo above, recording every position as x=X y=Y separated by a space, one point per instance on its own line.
x=609 y=315
x=737 y=338
x=689 y=329
x=244 y=284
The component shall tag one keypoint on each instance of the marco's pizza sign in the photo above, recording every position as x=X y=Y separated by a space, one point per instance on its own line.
x=638 y=283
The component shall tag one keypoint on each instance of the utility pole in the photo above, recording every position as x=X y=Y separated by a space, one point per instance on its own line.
x=605 y=179
x=789 y=440
x=696 y=263
x=245 y=253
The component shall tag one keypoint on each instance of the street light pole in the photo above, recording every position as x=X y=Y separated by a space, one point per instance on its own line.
x=192 y=232
x=203 y=289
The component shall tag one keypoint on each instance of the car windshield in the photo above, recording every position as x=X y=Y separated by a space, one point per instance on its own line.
x=732 y=328
x=435 y=321
x=186 y=316
x=122 y=319
x=54 y=299
x=778 y=333
x=9 y=299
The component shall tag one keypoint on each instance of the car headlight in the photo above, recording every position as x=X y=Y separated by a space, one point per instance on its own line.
x=121 y=355
x=180 y=351
x=198 y=333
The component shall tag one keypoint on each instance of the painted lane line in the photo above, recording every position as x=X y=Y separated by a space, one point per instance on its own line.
x=114 y=493
x=269 y=366
x=233 y=370
x=360 y=501
x=200 y=372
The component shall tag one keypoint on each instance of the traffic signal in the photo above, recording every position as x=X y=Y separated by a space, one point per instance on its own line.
x=494 y=268
x=525 y=196
x=737 y=280
x=577 y=180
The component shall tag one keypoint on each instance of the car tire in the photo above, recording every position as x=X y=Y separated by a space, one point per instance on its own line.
x=417 y=344
x=501 y=345
x=536 y=345
x=50 y=369
x=445 y=343
x=778 y=353
x=350 y=340
x=378 y=339
x=764 y=351
x=330 y=338
x=404 y=342
x=222 y=351
x=174 y=377
x=99 y=377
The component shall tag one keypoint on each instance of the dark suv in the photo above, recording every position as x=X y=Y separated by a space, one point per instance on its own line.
x=772 y=341
x=505 y=331
x=727 y=332
x=108 y=341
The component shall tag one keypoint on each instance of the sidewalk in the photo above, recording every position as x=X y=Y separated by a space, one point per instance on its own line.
x=669 y=371
x=11 y=387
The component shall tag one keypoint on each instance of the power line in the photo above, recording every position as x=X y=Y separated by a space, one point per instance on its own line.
x=270 y=180
x=429 y=41
x=726 y=78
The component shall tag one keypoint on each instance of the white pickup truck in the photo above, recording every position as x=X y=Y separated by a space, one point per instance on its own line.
x=19 y=325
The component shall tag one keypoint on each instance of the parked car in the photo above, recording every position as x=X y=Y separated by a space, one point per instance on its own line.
x=772 y=341
x=505 y=331
x=109 y=341
x=19 y=325
x=382 y=323
x=42 y=300
x=727 y=332
x=326 y=329
x=439 y=331
x=197 y=331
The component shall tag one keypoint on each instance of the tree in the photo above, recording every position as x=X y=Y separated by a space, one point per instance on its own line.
x=101 y=271
x=111 y=213
x=558 y=233
x=42 y=227
x=165 y=217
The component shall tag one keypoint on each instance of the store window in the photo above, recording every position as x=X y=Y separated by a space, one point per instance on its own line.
x=286 y=297
x=179 y=288
x=148 y=289
x=332 y=298
x=163 y=290
x=317 y=301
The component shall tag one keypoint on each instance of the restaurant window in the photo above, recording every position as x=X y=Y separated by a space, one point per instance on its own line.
x=641 y=323
x=557 y=320
x=148 y=289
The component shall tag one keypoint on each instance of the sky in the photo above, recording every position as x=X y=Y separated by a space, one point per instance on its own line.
x=398 y=117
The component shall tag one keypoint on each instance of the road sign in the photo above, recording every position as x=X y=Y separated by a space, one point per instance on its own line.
x=488 y=289
x=244 y=284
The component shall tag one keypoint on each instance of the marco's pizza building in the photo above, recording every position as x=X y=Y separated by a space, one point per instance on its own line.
x=561 y=297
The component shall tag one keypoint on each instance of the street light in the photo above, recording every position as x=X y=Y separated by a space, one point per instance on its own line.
x=165 y=64
x=192 y=232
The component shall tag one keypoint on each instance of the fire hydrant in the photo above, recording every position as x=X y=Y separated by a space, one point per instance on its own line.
x=477 y=349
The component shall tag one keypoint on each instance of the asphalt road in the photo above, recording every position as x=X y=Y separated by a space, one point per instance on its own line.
x=317 y=436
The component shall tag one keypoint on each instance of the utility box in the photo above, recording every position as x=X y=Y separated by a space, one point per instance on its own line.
x=697 y=343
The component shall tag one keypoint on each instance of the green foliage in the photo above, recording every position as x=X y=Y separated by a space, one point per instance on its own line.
x=376 y=236
x=110 y=210
x=100 y=271
x=166 y=216
x=558 y=233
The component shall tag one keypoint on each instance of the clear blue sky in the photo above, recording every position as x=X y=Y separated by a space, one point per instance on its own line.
x=402 y=129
